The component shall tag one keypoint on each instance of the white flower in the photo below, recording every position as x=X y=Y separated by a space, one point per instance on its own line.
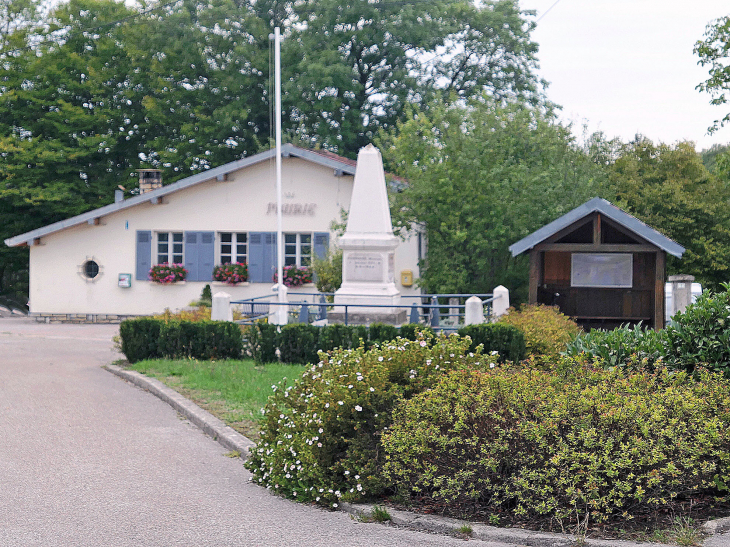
x=319 y=445
x=380 y=358
x=326 y=405
x=359 y=487
x=334 y=505
x=372 y=389
x=340 y=403
x=358 y=408
x=288 y=476
x=349 y=387
x=347 y=472
x=321 y=430
x=423 y=343
x=491 y=365
x=495 y=352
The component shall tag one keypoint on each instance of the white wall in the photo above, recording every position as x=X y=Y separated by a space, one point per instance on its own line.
x=239 y=204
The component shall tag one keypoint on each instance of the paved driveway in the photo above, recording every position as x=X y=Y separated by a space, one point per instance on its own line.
x=89 y=460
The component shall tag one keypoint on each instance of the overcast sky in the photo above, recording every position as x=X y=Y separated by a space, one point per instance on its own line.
x=627 y=67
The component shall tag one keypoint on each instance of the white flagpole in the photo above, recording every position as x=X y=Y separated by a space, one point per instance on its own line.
x=282 y=311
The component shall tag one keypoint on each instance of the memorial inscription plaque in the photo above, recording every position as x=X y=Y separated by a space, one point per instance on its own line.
x=364 y=267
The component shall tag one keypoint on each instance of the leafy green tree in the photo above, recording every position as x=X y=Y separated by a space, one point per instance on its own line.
x=481 y=177
x=669 y=188
x=714 y=52
x=353 y=66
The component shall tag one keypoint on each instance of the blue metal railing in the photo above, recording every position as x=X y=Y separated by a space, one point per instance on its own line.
x=427 y=311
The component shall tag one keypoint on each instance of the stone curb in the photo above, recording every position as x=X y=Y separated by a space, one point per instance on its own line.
x=212 y=426
x=717 y=526
x=511 y=536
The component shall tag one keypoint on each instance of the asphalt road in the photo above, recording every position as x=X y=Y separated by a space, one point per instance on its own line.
x=89 y=460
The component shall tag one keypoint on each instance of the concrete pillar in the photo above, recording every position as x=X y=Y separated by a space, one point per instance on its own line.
x=455 y=311
x=681 y=292
x=221 y=307
x=474 y=314
x=500 y=305
x=280 y=312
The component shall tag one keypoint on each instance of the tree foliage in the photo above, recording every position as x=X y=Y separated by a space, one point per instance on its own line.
x=357 y=64
x=669 y=188
x=480 y=178
x=714 y=52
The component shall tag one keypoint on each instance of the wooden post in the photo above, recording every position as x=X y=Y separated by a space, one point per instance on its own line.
x=597 y=230
x=535 y=274
x=660 y=267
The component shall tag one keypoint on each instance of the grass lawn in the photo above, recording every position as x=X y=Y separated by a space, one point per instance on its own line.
x=234 y=391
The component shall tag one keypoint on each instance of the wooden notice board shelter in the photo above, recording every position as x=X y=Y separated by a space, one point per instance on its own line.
x=600 y=266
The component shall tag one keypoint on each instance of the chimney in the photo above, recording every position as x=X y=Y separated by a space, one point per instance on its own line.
x=149 y=179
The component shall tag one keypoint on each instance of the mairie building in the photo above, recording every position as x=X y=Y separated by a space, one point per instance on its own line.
x=95 y=266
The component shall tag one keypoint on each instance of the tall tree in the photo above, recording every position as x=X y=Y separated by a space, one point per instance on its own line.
x=353 y=66
x=714 y=51
x=669 y=188
x=481 y=177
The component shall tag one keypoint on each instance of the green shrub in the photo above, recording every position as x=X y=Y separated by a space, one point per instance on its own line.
x=563 y=443
x=298 y=344
x=261 y=341
x=506 y=340
x=701 y=334
x=148 y=338
x=621 y=346
x=320 y=439
x=140 y=338
x=338 y=336
x=547 y=331
x=328 y=271
x=381 y=332
x=410 y=331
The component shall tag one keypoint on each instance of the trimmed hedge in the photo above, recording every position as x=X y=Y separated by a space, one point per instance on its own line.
x=146 y=338
x=300 y=343
x=140 y=338
x=507 y=340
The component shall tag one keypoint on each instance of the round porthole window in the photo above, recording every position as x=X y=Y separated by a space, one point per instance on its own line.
x=90 y=269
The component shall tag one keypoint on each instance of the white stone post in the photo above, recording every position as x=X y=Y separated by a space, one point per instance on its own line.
x=474 y=313
x=500 y=304
x=221 y=310
x=681 y=292
x=280 y=313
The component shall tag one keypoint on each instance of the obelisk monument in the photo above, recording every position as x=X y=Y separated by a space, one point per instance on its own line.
x=368 y=246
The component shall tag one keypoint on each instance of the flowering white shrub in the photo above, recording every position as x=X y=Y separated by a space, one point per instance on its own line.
x=320 y=440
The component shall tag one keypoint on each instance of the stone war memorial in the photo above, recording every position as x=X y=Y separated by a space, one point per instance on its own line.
x=368 y=246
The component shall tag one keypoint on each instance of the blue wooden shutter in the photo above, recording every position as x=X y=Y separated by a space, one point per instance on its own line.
x=261 y=257
x=270 y=256
x=206 y=256
x=191 y=254
x=144 y=255
x=255 y=257
x=321 y=244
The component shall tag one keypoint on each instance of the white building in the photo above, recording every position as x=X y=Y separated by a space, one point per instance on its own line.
x=95 y=266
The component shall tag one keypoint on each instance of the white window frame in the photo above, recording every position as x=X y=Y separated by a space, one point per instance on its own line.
x=234 y=243
x=170 y=253
x=298 y=257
